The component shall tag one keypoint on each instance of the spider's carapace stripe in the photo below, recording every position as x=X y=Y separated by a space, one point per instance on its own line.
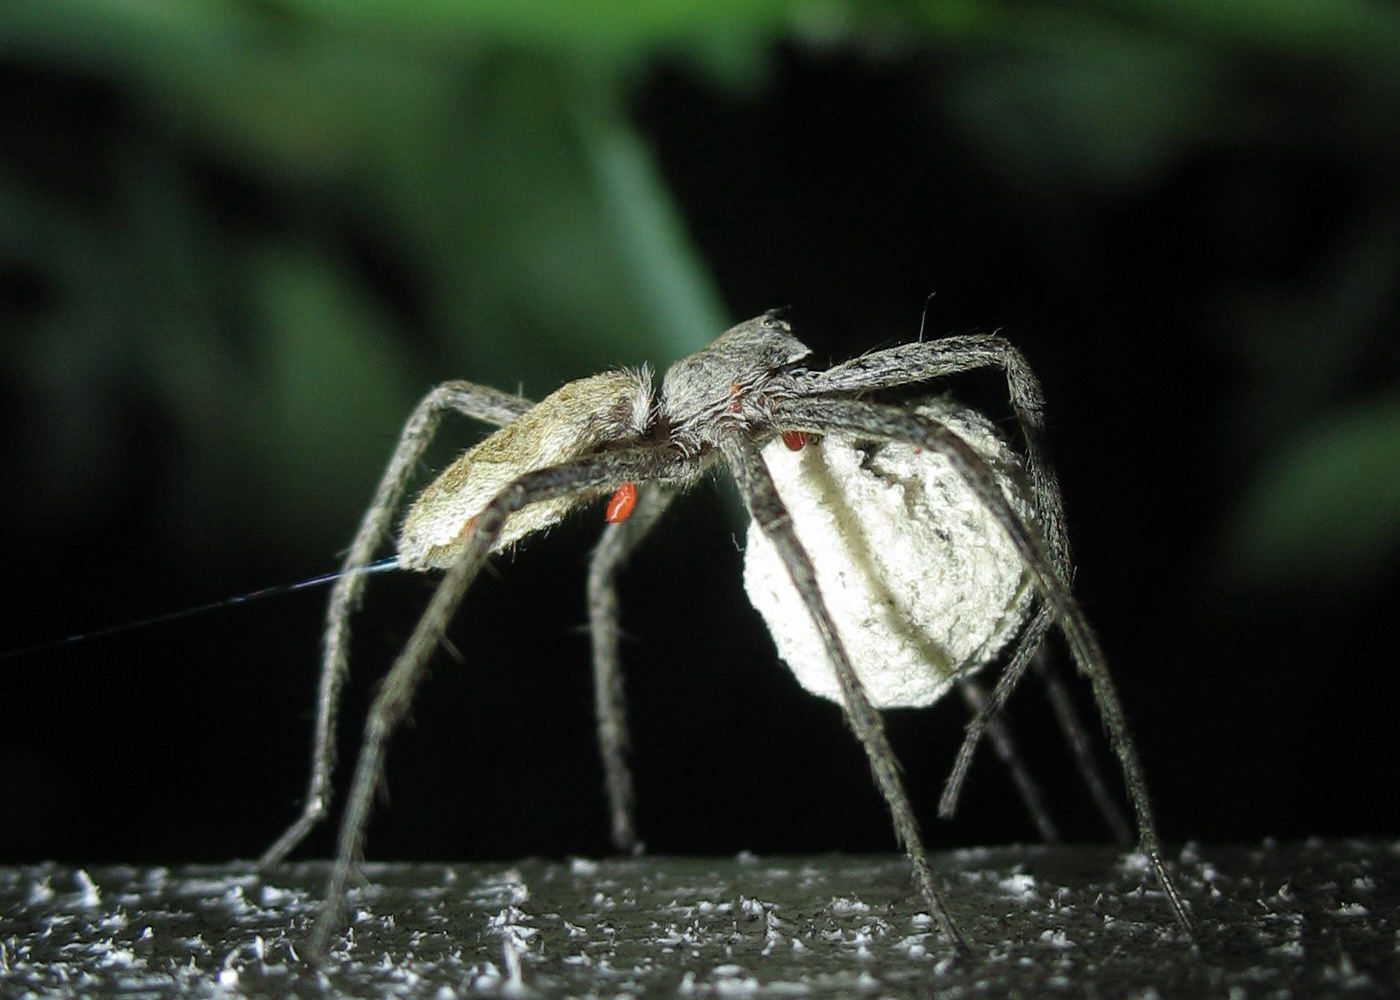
x=621 y=504
x=795 y=440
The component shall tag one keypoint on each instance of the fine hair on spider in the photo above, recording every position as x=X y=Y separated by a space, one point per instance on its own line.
x=957 y=547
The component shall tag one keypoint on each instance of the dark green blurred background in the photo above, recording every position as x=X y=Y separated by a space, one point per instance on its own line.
x=239 y=240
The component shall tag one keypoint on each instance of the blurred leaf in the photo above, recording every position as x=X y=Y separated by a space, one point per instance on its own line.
x=1093 y=109
x=525 y=231
x=581 y=24
x=330 y=389
x=1325 y=507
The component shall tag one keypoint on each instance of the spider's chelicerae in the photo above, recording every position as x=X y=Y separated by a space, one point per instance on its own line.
x=895 y=547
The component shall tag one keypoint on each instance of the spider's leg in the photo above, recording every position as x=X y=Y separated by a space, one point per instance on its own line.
x=610 y=709
x=842 y=416
x=1004 y=744
x=1028 y=646
x=1030 y=652
x=766 y=507
x=929 y=360
x=910 y=364
x=592 y=472
x=1078 y=740
x=478 y=402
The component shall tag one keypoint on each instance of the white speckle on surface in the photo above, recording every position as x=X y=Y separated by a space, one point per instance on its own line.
x=149 y=937
x=920 y=578
x=40 y=891
x=90 y=897
x=1345 y=973
x=514 y=984
x=486 y=978
x=1135 y=863
x=1018 y=884
x=845 y=905
x=731 y=980
x=271 y=895
x=119 y=957
x=583 y=866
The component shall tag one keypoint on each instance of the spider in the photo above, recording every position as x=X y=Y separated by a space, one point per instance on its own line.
x=741 y=403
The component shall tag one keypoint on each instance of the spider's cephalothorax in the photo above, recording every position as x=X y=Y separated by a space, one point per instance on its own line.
x=862 y=476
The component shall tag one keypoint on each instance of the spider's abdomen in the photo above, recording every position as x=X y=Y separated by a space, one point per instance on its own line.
x=568 y=423
x=921 y=580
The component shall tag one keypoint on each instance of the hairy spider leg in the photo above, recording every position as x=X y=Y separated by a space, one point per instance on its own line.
x=614 y=548
x=609 y=704
x=827 y=415
x=597 y=471
x=975 y=696
x=475 y=401
x=766 y=507
x=927 y=361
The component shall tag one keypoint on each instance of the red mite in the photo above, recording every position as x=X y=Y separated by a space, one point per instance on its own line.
x=621 y=504
x=795 y=440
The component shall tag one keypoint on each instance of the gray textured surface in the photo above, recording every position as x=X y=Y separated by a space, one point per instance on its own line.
x=1308 y=920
